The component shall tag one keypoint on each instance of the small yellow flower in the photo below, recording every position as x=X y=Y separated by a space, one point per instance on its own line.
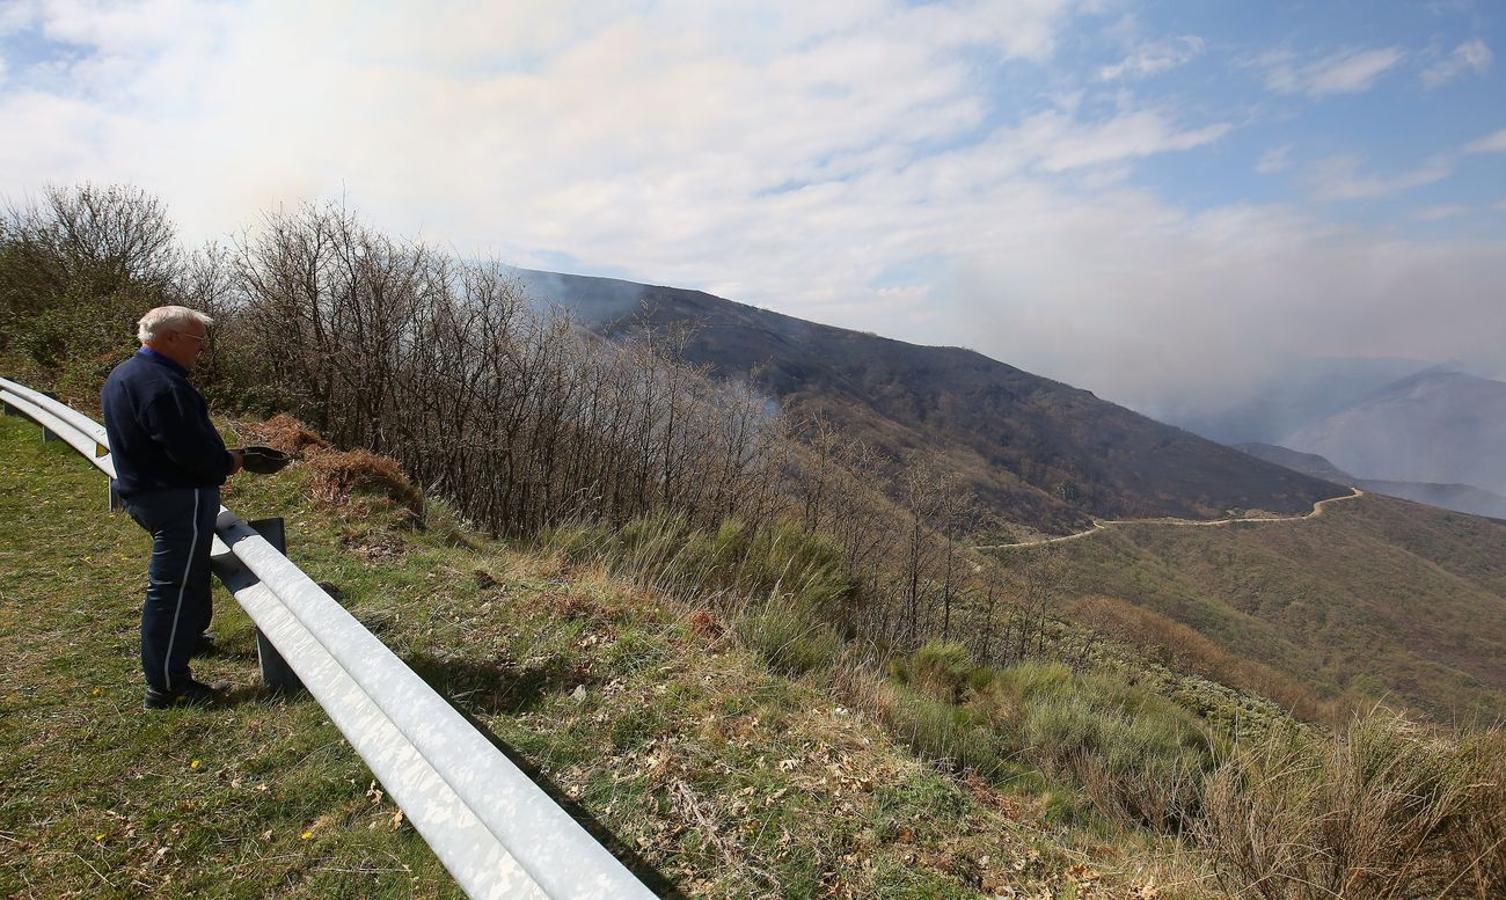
x=95 y=692
x=308 y=833
x=99 y=837
x=195 y=764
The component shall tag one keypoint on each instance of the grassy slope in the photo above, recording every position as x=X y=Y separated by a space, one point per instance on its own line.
x=715 y=776
x=1378 y=597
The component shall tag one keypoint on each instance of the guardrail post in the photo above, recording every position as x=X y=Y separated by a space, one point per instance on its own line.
x=114 y=497
x=275 y=671
x=7 y=410
x=47 y=435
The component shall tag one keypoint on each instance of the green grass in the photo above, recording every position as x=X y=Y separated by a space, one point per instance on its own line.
x=1109 y=744
x=101 y=798
x=710 y=772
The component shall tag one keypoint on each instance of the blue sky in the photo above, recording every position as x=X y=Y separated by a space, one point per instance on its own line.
x=1164 y=202
x=1429 y=102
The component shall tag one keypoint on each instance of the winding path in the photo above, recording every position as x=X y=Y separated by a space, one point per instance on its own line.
x=1104 y=524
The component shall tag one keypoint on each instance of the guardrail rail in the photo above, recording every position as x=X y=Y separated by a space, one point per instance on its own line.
x=498 y=833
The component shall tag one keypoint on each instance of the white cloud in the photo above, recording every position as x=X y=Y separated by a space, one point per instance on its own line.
x=1343 y=178
x=1470 y=56
x=787 y=155
x=133 y=27
x=1346 y=72
x=1026 y=29
x=1441 y=211
x=1059 y=144
x=1155 y=57
x=1491 y=143
x=1340 y=178
x=18 y=14
x=1276 y=159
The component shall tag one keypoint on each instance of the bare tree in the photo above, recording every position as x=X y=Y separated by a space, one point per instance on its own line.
x=79 y=266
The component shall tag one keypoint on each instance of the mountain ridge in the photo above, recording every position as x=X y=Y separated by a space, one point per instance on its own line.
x=1036 y=451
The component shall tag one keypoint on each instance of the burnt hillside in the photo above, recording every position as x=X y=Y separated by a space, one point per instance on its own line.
x=1037 y=451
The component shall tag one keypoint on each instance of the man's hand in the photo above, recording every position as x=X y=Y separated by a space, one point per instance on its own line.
x=237 y=460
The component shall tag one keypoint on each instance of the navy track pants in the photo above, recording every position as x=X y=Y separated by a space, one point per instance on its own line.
x=177 y=608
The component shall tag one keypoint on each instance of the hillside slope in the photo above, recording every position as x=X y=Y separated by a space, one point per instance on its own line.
x=710 y=775
x=1465 y=498
x=1378 y=598
x=1307 y=463
x=1036 y=451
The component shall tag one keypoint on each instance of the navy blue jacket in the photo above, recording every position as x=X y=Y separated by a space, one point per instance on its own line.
x=159 y=428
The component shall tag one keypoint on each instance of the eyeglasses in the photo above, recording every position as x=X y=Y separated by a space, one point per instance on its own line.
x=197 y=337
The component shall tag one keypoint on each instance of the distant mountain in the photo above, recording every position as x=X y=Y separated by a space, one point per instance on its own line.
x=1036 y=451
x=1306 y=463
x=1302 y=392
x=1463 y=498
x=1436 y=426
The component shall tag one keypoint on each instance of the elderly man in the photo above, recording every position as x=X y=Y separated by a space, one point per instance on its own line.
x=169 y=465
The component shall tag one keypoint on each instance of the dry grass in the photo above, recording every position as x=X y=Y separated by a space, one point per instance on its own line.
x=285 y=433
x=1382 y=809
x=341 y=474
x=338 y=474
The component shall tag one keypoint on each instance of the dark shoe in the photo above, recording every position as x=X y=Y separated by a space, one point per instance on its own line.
x=194 y=693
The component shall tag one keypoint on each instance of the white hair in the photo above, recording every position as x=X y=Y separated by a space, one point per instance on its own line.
x=167 y=318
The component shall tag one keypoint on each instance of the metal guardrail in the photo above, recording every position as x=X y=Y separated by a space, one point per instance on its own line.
x=496 y=831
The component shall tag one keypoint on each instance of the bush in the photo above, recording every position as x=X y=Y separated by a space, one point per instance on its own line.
x=1139 y=756
x=1381 y=809
x=791 y=640
x=735 y=562
x=783 y=586
x=943 y=671
x=953 y=736
x=1134 y=768
x=77 y=269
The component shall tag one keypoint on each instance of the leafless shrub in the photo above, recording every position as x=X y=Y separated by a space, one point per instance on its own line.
x=78 y=267
x=520 y=417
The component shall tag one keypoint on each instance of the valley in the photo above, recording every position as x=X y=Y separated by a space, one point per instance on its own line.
x=1377 y=600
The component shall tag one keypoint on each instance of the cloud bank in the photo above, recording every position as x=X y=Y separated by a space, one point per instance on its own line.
x=842 y=161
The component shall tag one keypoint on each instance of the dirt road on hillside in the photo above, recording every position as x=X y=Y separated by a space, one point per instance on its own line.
x=1103 y=524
